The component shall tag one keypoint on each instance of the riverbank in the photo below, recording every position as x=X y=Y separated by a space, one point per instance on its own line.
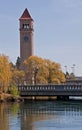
x=6 y=97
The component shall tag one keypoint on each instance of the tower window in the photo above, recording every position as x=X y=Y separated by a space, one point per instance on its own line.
x=25 y=26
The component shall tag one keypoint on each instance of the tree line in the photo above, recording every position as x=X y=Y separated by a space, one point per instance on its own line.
x=36 y=71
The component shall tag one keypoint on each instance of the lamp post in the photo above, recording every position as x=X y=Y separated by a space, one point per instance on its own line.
x=65 y=69
x=73 y=69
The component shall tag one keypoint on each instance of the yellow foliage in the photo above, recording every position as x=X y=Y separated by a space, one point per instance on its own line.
x=18 y=77
x=5 y=73
x=43 y=71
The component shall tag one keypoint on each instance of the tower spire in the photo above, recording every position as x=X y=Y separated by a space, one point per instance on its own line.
x=26 y=15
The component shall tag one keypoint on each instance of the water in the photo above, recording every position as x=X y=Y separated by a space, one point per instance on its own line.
x=41 y=115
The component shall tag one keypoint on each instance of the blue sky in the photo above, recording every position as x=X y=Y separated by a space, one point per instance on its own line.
x=57 y=25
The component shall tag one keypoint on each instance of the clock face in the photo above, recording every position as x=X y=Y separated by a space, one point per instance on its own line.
x=26 y=38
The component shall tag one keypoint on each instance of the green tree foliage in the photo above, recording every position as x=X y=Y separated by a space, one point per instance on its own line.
x=14 y=91
x=5 y=73
x=18 y=63
x=43 y=71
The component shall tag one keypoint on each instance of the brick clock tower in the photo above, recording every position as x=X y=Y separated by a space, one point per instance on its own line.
x=26 y=36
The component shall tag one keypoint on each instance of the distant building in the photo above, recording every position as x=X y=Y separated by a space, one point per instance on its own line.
x=75 y=80
x=26 y=36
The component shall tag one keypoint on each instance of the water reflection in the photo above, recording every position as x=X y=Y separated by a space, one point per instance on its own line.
x=3 y=117
x=47 y=114
x=41 y=115
x=8 y=116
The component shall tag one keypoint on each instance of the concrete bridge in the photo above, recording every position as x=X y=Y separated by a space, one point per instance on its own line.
x=61 y=91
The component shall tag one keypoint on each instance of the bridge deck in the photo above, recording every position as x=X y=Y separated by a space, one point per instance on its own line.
x=50 y=90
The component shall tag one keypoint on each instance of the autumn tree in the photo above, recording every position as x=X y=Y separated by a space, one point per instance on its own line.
x=18 y=77
x=56 y=76
x=5 y=72
x=35 y=70
x=43 y=71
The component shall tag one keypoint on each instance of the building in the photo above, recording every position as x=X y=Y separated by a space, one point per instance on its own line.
x=26 y=36
x=74 y=81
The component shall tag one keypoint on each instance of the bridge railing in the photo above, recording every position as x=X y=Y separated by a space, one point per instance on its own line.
x=50 y=88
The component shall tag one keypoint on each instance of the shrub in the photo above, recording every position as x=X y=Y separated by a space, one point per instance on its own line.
x=14 y=91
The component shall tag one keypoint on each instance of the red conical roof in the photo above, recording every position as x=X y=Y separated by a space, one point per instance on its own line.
x=26 y=15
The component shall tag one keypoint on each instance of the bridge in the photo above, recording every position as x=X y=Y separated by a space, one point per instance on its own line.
x=61 y=91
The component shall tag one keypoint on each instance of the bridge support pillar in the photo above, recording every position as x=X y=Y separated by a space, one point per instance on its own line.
x=63 y=98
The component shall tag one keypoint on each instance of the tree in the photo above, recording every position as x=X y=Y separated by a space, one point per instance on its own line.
x=56 y=75
x=14 y=91
x=18 y=63
x=43 y=71
x=36 y=70
x=18 y=77
x=5 y=72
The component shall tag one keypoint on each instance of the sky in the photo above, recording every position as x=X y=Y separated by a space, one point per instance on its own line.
x=57 y=30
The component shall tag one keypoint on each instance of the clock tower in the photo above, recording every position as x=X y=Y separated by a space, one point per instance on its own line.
x=26 y=36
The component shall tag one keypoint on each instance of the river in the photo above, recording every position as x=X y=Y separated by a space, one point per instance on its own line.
x=41 y=115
